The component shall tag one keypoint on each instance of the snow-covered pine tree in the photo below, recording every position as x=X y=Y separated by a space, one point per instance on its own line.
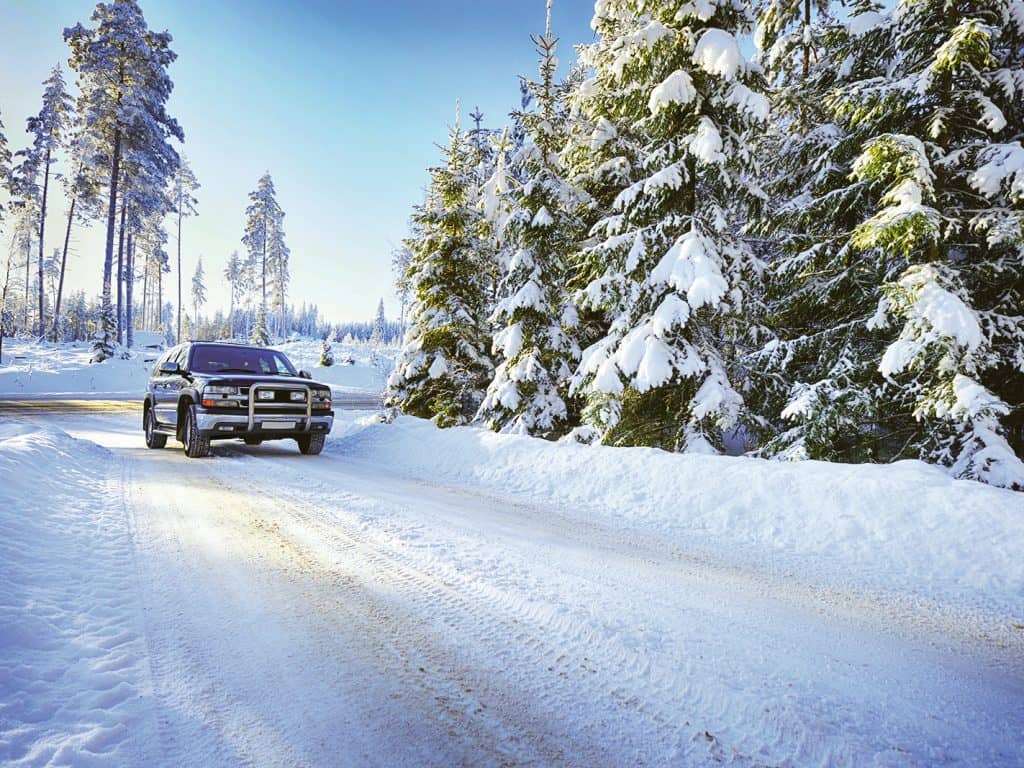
x=818 y=392
x=261 y=220
x=183 y=186
x=444 y=366
x=198 y=289
x=151 y=242
x=277 y=262
x=401 y=258
x=233 y=273
x=326 y=355
x=148 y=176
x=540 y=227
x=260 y=335
x=379 y=324
x=953 y=171
x=907 y=212
x=5 y=165
x=123 y=83
x=5 y=160
x=82 y=189
x=670 y=98
x=25 y=193
x=47 y=130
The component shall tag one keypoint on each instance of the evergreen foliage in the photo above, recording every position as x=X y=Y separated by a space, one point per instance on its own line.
x=444 y=367
x=123 y=91
x=537 y=222
x=672 y=99
x=198 y=289
x=326 y=355
x=260 y=335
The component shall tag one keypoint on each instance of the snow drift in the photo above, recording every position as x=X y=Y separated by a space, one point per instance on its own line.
x=904 y=528
x=72 y=655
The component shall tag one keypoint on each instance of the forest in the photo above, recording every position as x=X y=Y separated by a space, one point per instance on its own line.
x=814 y=251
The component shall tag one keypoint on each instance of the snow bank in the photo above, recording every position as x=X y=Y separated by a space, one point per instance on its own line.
x=904 y=528
x=72 y=658
x=34 y=369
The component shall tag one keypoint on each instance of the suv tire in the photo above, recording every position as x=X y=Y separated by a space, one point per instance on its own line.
x=153 y=438
x=252 y=440
x=196 y=446
x=311 y=445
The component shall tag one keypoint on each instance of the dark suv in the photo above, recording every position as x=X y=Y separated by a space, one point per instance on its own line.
x=203 y=391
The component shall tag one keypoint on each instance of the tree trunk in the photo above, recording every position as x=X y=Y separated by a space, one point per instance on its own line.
x=129 y=286
x=108 y=255
x=160 y=298
x=145 y=292
x=3 y=306
x=807 y=46
x=42 y=231
x=28 y=264
x=264 y=267
x=120 y=277
x=284 y=305
x=63 y=266
x=179 y=267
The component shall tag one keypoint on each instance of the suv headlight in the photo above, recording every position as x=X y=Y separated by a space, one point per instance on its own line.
x=298 y=396
x=218 y=389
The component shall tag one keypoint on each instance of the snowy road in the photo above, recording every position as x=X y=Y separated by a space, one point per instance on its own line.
x=326 y=611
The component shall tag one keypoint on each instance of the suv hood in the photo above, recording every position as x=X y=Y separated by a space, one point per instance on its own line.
x=248 y=379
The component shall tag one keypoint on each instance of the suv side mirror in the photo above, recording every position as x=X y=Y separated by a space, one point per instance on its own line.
x=170 y=368
x=305 y=375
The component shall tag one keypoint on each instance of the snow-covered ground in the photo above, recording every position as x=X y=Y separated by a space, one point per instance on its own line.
x=904 y=529
x=40 y=369
x=357 y=367
x=417 y=597
x=43 y=370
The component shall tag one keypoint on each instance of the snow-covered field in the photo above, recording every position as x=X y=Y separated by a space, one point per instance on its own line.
x=40 y=369
x=425 y=597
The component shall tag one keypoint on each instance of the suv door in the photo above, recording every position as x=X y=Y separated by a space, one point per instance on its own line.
x=165 y=389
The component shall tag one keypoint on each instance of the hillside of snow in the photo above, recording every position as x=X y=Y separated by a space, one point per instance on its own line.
x=40 y=369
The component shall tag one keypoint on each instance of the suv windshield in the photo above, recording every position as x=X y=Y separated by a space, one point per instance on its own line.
x=216 y=358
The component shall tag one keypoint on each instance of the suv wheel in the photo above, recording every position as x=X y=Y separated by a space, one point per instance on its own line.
x=252 y=440
x=153 y=439
x=196 y=446
x=311 y=445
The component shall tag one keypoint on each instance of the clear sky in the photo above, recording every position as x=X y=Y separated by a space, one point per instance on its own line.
x=343 y=102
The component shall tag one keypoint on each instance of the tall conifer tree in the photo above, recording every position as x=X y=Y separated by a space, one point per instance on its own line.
x=444 y=366
x=534 y=343
x=671 y=99
x=124 y=88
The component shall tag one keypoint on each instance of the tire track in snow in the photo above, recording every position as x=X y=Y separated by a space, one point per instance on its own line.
x=801 y=729
x=553 y=658
x=320 y=597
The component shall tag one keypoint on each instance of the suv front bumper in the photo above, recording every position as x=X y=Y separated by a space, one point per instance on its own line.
x=225 y=425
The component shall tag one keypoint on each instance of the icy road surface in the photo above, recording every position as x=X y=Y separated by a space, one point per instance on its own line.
x=323 y=611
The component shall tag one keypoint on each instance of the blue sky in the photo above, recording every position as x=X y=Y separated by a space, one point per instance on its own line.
x=343 y=102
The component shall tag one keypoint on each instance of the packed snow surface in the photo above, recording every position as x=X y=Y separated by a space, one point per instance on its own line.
x=416 y=596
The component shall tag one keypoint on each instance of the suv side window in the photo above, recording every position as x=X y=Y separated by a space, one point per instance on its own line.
x=160 y=361
x=182 y=356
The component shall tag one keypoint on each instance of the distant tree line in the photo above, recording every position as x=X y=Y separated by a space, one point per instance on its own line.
x=115 y=152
